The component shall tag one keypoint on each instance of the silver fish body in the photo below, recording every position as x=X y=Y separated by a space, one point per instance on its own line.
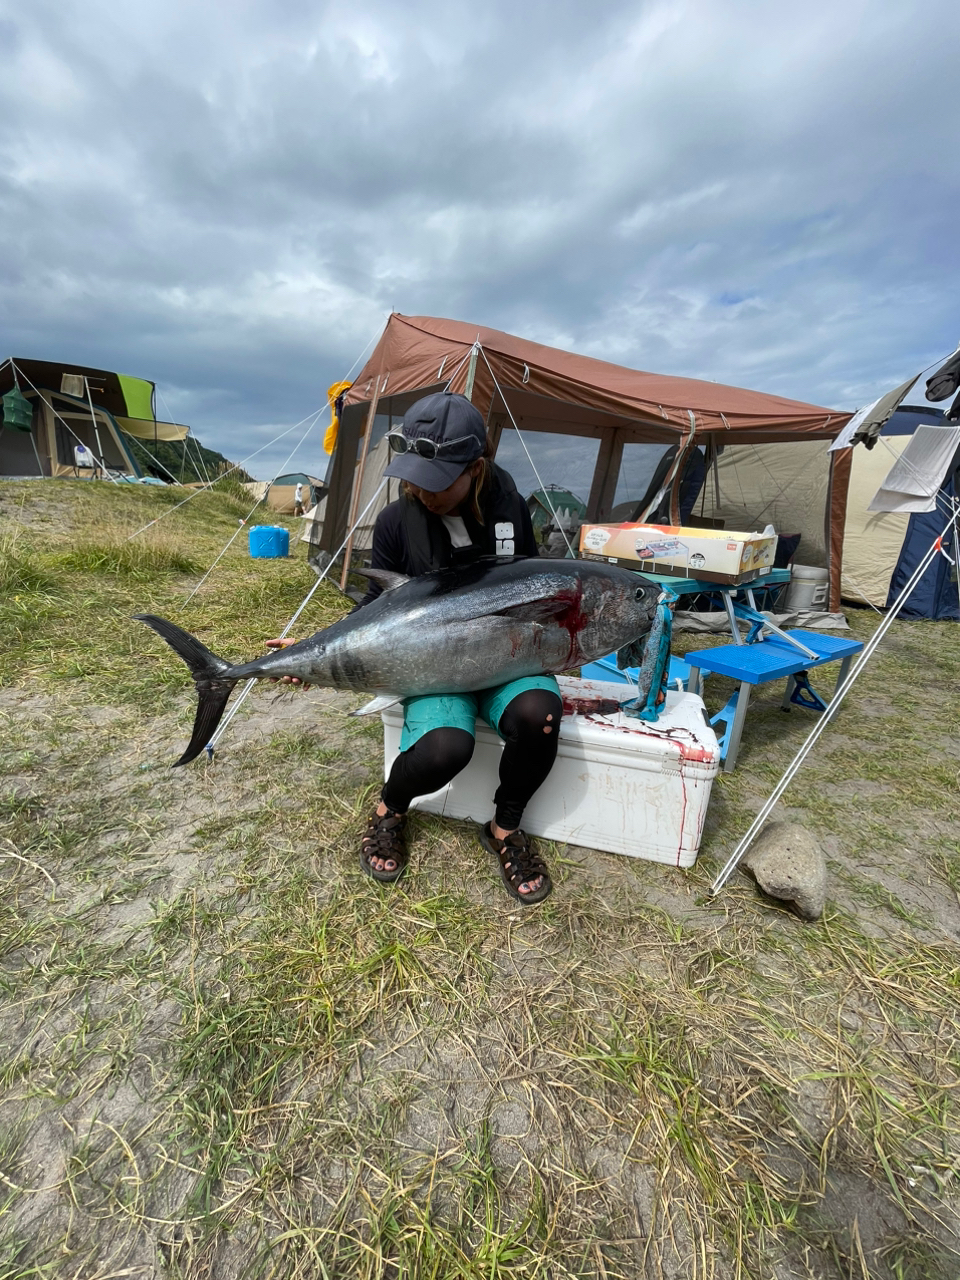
x=452 y=631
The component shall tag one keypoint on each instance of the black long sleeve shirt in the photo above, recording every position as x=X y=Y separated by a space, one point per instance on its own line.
x=401 y=537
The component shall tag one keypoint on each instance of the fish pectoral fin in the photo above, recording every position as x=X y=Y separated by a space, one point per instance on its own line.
x=546 y=610
x=376 y=704
x=386 y=579
x=490 y=627
x=506 y=622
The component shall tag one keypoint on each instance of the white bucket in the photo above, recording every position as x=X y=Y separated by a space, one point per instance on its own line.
x=809 y=588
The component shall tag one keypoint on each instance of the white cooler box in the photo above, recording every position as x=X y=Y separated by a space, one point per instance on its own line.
x=619 y=784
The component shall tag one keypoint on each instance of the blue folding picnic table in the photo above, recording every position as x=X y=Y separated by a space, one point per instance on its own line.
x=762 y=661
x=755 y=660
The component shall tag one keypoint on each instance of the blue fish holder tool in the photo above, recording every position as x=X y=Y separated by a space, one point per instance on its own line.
x=652 y=675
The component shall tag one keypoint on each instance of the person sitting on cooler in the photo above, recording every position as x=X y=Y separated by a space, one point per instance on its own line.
x=456 y=506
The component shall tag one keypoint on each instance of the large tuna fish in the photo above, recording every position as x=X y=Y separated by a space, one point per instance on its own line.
x=453 y=631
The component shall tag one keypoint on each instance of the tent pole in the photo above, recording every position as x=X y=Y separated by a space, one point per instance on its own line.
x=471 y=374
x=357 y=483
x=603 y=486
x=680 y=466
x=36 y=452
x=96 y=432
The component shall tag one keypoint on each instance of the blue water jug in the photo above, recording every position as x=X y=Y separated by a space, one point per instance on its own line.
x=269 y=542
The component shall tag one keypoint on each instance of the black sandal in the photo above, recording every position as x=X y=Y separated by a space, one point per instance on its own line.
x=519 y=864
x=383 y=838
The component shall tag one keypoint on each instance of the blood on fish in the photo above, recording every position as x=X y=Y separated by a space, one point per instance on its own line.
x=573 y=620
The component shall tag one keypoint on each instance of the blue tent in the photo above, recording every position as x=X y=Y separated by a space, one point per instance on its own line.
x=937 y=594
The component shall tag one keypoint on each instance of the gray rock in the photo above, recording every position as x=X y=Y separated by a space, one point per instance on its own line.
x=787 y=863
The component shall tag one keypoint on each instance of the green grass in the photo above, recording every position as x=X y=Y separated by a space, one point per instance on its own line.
x=22 y=574
x=138 y=560
x=71 y=619
x=227 y=1052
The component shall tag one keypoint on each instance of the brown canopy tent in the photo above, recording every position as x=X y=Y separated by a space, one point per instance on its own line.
x=543 y=389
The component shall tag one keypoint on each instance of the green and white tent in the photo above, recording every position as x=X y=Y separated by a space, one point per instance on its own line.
x=553 y=503
x=72 y=420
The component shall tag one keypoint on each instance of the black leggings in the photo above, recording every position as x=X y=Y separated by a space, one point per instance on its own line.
x=529 y=728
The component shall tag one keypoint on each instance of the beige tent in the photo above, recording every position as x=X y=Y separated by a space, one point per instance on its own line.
x=542 y=389
x=786 y=485
x=872 y=540
x=796 y=487
x=281 y=493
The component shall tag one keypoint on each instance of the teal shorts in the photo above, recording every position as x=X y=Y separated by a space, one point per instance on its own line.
x=460 y=710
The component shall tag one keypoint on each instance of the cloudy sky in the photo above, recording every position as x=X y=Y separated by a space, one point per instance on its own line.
x=229 y=198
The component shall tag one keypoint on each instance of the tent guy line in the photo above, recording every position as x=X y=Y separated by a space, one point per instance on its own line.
x=202 y=489
x=476 y=347
x=543 y=488
x=237 y=465
x=154 y=459
x=860 y=591
x=262 y=498
x=346 y=376
x=221 y=728
x=936 y=548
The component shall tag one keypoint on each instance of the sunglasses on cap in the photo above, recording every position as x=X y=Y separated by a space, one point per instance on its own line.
x=422 y=445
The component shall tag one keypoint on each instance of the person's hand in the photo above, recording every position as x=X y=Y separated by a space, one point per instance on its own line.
x=285 y=644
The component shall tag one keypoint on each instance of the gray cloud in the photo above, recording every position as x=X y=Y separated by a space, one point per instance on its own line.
x=230 y=200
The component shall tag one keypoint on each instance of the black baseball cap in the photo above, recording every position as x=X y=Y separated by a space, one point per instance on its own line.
x=453 y=424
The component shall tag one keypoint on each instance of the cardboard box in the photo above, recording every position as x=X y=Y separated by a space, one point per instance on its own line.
x=619 y=784
x=716 y=555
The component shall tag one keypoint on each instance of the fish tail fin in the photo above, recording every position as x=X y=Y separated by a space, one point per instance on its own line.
x=209 y=674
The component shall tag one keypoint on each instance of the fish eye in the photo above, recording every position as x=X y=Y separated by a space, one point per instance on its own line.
x=641 y=592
